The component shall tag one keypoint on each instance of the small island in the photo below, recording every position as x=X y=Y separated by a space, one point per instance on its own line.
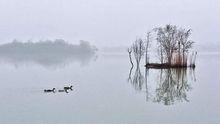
x=171 y=44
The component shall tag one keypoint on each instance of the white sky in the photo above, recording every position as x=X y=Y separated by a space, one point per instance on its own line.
x=106 y=22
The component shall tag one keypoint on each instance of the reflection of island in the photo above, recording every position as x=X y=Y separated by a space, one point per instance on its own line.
x=172 y=85
x=48 y=53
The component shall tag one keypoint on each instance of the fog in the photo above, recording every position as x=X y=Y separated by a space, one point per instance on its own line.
x=52 y=54
x=106 y=23
x=83 y=44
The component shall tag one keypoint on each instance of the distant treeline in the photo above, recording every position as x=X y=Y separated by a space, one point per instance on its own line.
x=57 y=46
x=47 y=53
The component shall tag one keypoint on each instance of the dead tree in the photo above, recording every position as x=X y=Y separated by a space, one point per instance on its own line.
x=138 y=50
x=173 y=40
x=148 y=40
x=166 y=37
x=130 y=52
x=186 y=44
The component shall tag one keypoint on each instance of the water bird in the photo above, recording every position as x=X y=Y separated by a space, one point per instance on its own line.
x=49 y=90
x=68 y=88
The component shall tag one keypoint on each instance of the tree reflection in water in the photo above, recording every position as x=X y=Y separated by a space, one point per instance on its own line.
x=138 y=79
x=172 y=85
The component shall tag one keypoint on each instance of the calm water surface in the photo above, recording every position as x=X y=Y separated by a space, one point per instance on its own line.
x=104 y=94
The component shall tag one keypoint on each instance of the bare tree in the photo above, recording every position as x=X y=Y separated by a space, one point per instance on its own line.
x=129 y=52
x=173 y=47
x=138 y=50
x=167 y=40
x=148 y=40
x=185 y=43
x=173 y=40
x=160 y=52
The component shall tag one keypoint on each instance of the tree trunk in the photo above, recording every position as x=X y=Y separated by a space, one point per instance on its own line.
x=131 y=59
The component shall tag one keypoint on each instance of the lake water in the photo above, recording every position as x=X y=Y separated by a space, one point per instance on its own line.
x=103 y=93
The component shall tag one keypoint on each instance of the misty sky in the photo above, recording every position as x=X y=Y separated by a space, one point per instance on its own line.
x=105 y=22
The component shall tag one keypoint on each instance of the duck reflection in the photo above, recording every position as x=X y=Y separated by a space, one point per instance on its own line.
x=172 y=85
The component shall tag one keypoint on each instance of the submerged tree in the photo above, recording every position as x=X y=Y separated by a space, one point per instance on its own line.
x=129 y=50
x=138 y=50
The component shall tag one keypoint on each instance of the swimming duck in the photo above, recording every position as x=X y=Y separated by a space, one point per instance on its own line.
x=68 y=88
x=49 y=90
